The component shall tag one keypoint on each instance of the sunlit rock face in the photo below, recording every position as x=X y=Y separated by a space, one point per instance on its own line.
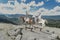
x=18 y=32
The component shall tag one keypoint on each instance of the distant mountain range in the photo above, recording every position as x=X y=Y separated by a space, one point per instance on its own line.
x=13 y=18
x=56 y=17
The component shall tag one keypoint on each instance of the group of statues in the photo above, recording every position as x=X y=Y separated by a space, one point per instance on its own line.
x=34 y=20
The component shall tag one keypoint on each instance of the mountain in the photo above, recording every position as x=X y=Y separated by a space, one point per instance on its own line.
x=11 y=18
x=52 y=21
x=14 y=15
x=56 y=17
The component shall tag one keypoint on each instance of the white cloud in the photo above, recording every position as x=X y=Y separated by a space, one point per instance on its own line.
x=43 y=11
x=23 y=0
x=19 y=8
x=32 y=3
x=57 y=0
x=54 y=11
x=40 y=3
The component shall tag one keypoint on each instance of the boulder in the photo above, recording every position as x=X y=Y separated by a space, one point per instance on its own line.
x=18 y=37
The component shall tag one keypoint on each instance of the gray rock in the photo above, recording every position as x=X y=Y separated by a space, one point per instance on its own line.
x=18 y=37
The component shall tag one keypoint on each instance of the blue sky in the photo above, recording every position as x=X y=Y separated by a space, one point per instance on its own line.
x=48 y=4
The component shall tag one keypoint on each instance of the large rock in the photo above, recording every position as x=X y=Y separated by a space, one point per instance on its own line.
x=3 y=36
x=13 y=32
x=18 y=37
